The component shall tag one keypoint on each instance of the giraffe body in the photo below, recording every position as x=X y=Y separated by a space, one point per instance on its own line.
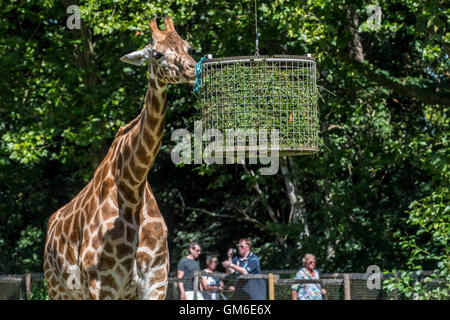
x=124 y=260
x=110 y=241
x=110 y=238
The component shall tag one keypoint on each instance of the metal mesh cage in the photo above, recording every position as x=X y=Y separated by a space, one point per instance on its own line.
x=252 y=93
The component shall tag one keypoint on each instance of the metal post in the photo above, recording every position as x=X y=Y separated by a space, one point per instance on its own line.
x=196 y=276
x=347 y=286
x=271 y=287
x=176 y=292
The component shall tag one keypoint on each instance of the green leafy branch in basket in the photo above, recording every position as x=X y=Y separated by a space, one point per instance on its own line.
x=261 y=96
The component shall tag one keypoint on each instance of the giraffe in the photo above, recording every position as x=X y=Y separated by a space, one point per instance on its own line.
x=110 y=241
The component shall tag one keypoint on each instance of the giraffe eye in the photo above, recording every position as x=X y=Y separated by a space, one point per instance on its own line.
x=191 y=51
x=157 y=54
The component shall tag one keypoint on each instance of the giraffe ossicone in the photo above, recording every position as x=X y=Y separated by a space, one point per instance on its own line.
x=112 y=233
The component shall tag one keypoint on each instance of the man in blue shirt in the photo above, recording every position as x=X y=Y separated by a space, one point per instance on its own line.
x=246 y=263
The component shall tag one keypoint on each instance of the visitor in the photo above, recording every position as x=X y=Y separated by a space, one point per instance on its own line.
x=246 y=263
x=186 y=268
x=230 y=254
x=308 y=291
x=211 y=285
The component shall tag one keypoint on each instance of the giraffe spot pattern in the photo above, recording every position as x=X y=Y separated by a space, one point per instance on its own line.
x=153 y=121
x=117 y=232
x=127 y=176
x=160 y=130
x=130 y=234
x=141 y=154
x=143 y=260
x=106 y=187
x=123 y=250
x=139 y=171
x=89 y=259
x=127 y=192
x=106 y=262
x=109 y=281
x=108 y=211
x=148 y=139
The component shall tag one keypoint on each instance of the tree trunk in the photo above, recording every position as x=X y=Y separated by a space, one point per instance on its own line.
x=355 y=45
x=297 y=212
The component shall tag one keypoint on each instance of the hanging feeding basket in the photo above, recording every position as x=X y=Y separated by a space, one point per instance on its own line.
x=272 y=93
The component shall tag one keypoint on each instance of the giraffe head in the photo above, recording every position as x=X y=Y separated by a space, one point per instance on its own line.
x=168 y=55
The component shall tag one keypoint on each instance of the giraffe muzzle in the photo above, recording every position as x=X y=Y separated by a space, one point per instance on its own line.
x=190 y=76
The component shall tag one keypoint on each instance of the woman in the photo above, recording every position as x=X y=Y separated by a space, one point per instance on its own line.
x=308 y=291
x=211 y=285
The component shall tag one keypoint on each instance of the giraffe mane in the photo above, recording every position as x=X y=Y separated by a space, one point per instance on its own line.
x=130 y=125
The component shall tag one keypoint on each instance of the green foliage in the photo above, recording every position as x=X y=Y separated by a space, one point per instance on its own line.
x=39 y=291
x=262 y=96
x=429 y=249
x=427 y=242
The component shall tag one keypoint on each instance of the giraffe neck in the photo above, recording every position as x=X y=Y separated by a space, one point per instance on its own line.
x=141 y=144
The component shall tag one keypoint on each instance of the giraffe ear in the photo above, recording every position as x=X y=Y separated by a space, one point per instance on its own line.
x=136 y=57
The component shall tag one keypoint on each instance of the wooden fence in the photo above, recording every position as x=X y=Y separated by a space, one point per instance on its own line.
x=18 y=286
x=276 y=285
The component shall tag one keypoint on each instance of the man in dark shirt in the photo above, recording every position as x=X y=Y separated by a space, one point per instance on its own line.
x=246 y=263
x=186 y=268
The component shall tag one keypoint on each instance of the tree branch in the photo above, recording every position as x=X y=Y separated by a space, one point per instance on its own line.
x=426 y=96
x=248 y=218
x=261 y=195
x=297 y=212
x=213 y=214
